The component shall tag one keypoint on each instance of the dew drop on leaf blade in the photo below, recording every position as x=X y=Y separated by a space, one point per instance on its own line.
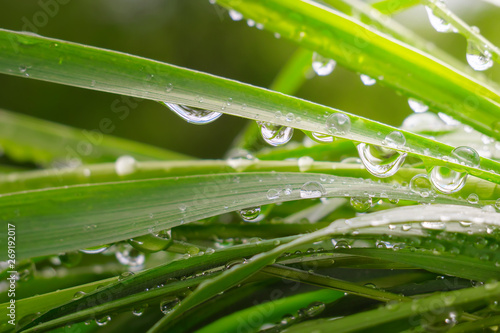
x=193 y=115
x=322 y=65
x=380 y=162
x=275 y=135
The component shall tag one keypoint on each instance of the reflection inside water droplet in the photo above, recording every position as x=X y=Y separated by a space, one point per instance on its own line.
x=322 y=65
x=193 y=115
x=275 y=135
x=380 y=162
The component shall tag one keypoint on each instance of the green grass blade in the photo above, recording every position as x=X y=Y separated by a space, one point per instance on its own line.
x=280 y=307
x=149 y=279
x=364 y=50
x=369 y=320
x=134 y=76
x=55 y=220
x=390 y=7
x=27 y=139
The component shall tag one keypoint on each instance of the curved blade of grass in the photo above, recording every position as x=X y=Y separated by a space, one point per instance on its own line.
x=269 y=312
x=463 y=28
x=54 y=220
x=329 y=282
x=121 y=304
x=440 y=262
x=149 y=279
x=369 y=320
x=240 y=272
x=34 y=140
x=362 y=49
x=41 y=303
x=387 y=25
x=98 y=69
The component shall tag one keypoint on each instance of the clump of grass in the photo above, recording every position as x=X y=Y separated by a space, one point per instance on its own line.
x=361 y=226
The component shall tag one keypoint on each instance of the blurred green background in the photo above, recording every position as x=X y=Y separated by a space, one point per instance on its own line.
x=201 y=36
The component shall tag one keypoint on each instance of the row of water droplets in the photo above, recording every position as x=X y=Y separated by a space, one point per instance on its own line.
x=478 y=56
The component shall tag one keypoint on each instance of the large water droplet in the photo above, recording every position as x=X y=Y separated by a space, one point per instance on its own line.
x=152 y=242
x=447 y=180
x=380 y=162
x=338 y=124
x=466 y=156
x=479 y=58
x=417 y=106
x=129 y=256
x=125 y=165
x=194 y=115
x=321 y=65
x=395 y=139
x=312 y=190
x=367 y=81
x=437 y=22
x=275 y=135
x=250 y=214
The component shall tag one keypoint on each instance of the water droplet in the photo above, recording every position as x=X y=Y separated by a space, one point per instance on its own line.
x=321 y=65
x=437 y=22
x=169 y=87
x=361 y=204
x=380 y=162
x=235 y=262
x=138 y=311
x=250 y=214
x=129 y=256
x=447 y=180
x=338 y=124
x=103 y=321
x=320 y=137
x=340 y=244
x=417 y=106
x=193 y=115
x=287 y=320
x=421 y=185
x=152 y=242
x=312 y=190
x=273 y=194
x=433 y=225
x=250 y=23
x=78 y=294
x=367 y=81
x=125 y=275
x=479 y=58
x=275 y=135
x=305 y=163
x=125 y=165
x=95 y=249
x=168 y=305
x=466 y=156
x=473 y=198
x=395 y=139
x=235 y=16
x=240 y=159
